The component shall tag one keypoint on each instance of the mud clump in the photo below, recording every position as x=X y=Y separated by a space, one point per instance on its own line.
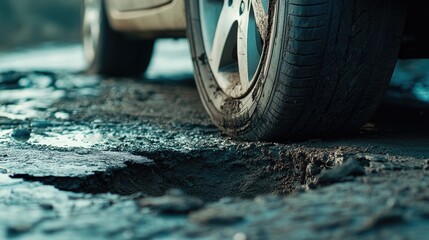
x=351 y=168
x=174 y=202
x=21 y=134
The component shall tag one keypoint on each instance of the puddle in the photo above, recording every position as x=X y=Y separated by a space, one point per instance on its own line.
x=59 y=136
x=27 y=95
x=62 y=137
x=27 y=103
x=31 y=80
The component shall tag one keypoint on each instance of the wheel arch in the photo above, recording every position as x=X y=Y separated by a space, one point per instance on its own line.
x=415 y=39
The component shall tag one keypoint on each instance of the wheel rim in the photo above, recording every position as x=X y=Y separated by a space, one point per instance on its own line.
x=235 y=33
x=91 y=27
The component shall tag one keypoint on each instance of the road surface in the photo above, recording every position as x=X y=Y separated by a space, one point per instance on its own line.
x=86 y=157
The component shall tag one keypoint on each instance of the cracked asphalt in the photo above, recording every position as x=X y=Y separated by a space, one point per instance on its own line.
x=89 y=157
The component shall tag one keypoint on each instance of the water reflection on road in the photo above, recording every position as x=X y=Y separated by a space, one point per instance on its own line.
x=31 y=80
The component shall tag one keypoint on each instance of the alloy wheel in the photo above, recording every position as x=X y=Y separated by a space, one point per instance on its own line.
x=235 y=33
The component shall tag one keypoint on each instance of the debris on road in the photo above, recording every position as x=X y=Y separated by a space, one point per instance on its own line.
x=21 y=134
x=350 y=168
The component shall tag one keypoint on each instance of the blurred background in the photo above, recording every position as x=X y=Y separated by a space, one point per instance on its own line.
x=26 y=23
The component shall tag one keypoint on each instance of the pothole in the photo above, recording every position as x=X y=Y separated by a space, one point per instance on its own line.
x=209 y=174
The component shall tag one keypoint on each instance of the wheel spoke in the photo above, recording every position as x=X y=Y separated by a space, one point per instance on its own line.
x=249 y=41
x=224 y=38
x=242 y=51
x=260 y=8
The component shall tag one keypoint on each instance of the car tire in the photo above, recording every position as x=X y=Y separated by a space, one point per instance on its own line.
x=321 y=66
x=107 y=51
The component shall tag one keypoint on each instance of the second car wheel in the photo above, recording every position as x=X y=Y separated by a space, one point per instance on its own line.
x=279 y=70
x=107 y=51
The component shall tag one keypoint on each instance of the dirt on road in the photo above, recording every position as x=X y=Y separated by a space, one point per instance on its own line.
x=86 y=157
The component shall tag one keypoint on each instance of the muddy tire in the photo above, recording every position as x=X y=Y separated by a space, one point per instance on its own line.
x=279 y=70
x=107 y=51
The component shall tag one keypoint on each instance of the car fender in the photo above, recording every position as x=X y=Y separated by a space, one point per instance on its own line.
x=149 y=19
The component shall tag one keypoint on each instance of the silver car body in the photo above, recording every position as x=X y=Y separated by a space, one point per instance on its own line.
x=148 y=18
